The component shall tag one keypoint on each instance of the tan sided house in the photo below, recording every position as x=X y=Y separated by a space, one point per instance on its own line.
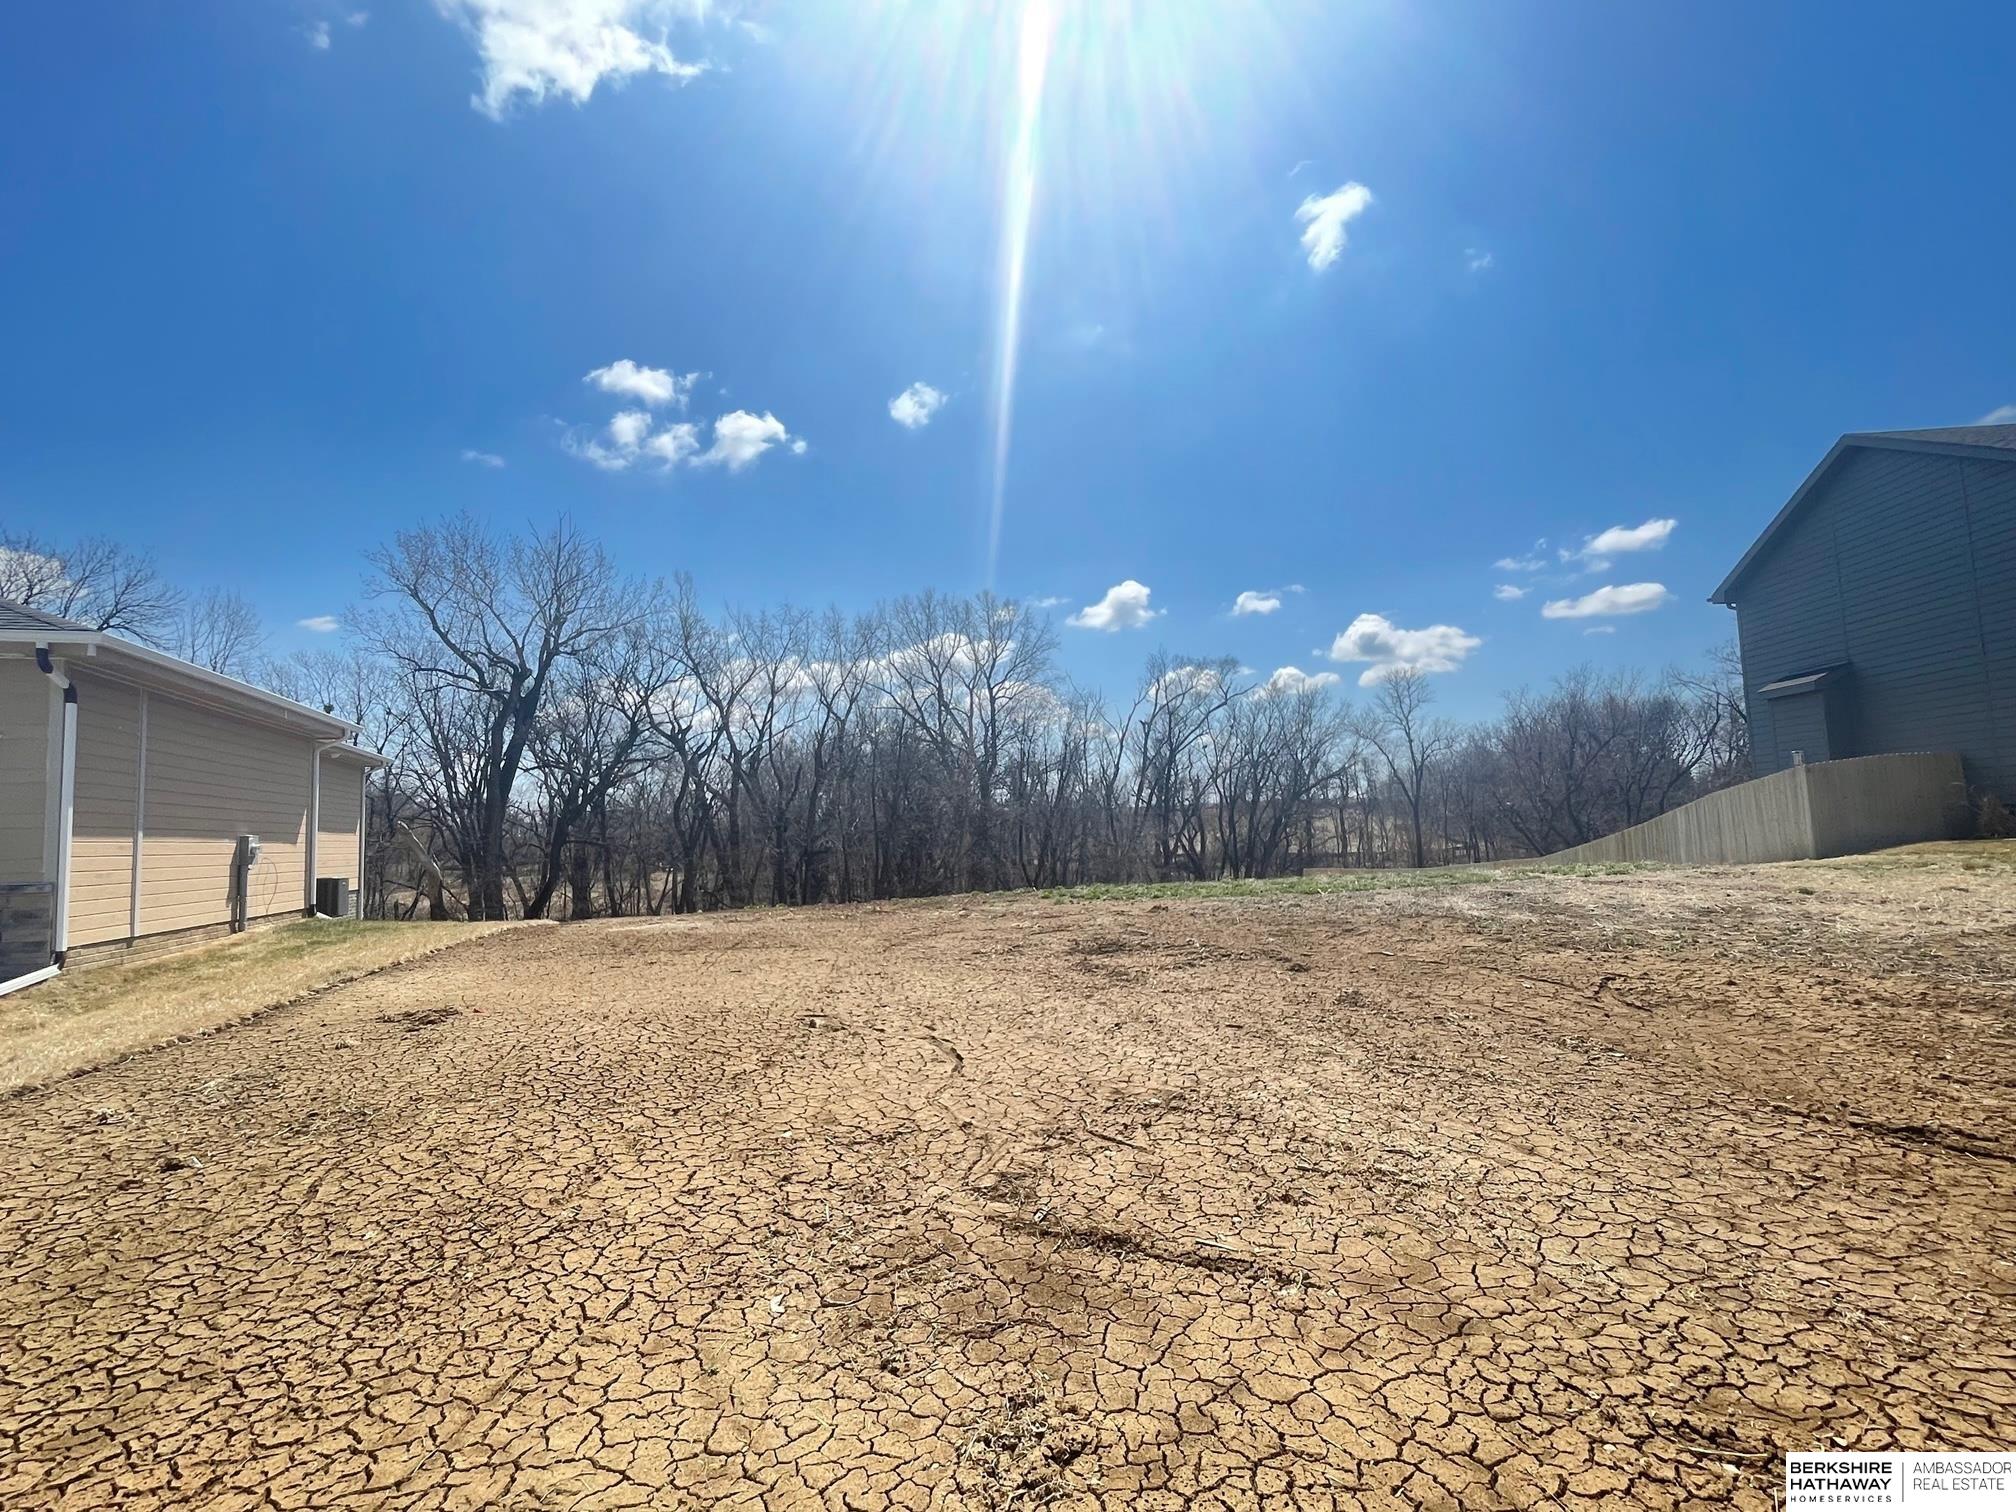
x=144 y=800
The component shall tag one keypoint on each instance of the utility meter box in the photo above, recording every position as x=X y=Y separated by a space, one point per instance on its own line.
x=248 y=849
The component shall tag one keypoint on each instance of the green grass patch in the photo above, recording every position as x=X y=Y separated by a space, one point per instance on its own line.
x=1266 y=887
x=1332 y=883
x=1582 y=868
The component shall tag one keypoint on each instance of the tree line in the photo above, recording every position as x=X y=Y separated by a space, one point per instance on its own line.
x=570 y=739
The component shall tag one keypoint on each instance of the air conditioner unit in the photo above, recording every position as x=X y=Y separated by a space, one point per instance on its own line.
x=332 y=897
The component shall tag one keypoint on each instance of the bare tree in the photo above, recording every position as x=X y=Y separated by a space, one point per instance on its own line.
x=957 y=671
x=476 y=630
x=1275 y=751
x=1179 y=702
x=594 y=734
x=1720 y=711
x=559 y=729
x=218 y=630
x=1409 y=742
x=96 y=582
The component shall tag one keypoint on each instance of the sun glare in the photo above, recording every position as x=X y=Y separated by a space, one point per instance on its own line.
x=1085 y=120
x=1018 y=200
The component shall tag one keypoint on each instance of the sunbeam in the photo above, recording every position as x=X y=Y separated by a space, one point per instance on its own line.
x=970 y=123
x=1018 y=201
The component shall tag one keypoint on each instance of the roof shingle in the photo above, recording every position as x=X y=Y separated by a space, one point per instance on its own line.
x=2001 y=437
x=15 y=616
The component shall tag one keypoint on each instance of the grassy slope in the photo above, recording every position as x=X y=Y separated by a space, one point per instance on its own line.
x=83 y=1018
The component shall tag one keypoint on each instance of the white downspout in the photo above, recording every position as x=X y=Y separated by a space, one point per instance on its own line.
x=139 y=827
x=363 y=834
x=66 y=804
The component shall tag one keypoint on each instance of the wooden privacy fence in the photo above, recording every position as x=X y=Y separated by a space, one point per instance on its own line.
x=1825 y=808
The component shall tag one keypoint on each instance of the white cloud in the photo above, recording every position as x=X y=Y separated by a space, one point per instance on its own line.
x=543 y=48
x=647 y=385
x=1125 y=607
x=1627 y=598
x=1323 y=219
x=628 y=433
x=629 y=440
x=1532 y=561
x=628 y=428
x=2002 y=414
x=357 y=18
x=635 y=436
x=318 y=36
x=588 y=449
x=1263 y=600
x=740 y=438
x=1621 y=538
x=1601 y=630
x=1477 y=259
x=1295 y=680
x=1188 y=678
x=674 y=444
x=913 y=408
x=481 y=458
x=321 y=624
x=1049 y=601
x=1375 y=639
x=1629 y=537
x=1507 y=593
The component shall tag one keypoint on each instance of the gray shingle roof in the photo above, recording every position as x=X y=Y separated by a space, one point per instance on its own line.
x=2002 y=437
x=15 y=616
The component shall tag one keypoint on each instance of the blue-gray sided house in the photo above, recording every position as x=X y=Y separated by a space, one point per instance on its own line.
x=1877 y=612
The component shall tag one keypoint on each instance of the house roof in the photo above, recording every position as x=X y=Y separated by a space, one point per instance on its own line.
x=22 y=628
x=1995 y=443
x=15 y=616
x=2000 y=437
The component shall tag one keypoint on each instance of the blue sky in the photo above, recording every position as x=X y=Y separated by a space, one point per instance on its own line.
x=274 y=267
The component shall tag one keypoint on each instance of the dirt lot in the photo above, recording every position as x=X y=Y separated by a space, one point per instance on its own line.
x=1542 y=1191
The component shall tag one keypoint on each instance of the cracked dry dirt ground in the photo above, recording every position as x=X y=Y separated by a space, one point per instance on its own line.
x=1557 y=1192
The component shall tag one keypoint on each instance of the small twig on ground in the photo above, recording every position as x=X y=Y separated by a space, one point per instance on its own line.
x=1713 y=1452
x=1112 y=1139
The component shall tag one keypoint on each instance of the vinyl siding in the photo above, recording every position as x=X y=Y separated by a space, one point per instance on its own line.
x=211 y=778
x=108 y=795
x=336 y=849
x=1788 y=621
x=24 y=770
x=1991 y=512
x=1901 y=566
x=1800 y=724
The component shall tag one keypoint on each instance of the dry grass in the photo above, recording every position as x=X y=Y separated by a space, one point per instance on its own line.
x=1971 y=854
x=87 y=1018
